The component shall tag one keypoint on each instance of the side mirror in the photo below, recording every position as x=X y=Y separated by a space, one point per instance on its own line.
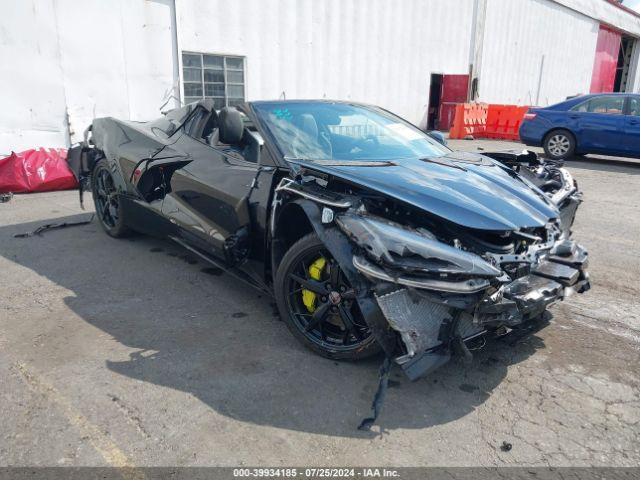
x=438 y=137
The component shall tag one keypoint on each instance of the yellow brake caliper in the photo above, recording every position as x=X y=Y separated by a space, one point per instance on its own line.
x=315 y=270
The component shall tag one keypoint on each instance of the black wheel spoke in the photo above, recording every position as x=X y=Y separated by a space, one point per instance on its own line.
x=100 y=183
x=313 y=285
x=113 y=212
x=323 y=333
x=106 y=201
x=349 y=294
x=105 y=182
x=334 y=274
x=107 y=214
x=295 y=292
x=318 y=317
x=349 y=324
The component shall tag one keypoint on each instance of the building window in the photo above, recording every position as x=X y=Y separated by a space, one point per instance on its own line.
x=218 y=77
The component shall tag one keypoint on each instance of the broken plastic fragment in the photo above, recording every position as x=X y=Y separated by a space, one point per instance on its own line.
x=378 y=399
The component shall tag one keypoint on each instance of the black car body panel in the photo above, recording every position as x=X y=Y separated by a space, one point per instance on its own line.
x=439 y=249
x=462 y=188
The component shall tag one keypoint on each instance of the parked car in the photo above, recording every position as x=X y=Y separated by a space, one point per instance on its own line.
x=370 y=234
x=607 y=124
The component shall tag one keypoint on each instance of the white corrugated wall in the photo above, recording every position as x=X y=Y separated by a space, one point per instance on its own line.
x=33 y=101
x=524 y=37
x=94 y=57
x=121 y=57
x=377 y=51
x=117 y=58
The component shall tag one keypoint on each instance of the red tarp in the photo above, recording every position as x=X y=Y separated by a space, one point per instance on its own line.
x=36 y=170
x=606 y=61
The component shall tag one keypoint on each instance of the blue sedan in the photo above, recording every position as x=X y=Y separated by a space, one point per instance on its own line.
x=607 y=124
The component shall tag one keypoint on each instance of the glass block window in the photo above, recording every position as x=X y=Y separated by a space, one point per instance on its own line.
x=219 y=77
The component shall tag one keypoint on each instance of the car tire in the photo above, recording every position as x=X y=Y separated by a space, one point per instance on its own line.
x=107 y=202
x=559 y=144
x=322 y=339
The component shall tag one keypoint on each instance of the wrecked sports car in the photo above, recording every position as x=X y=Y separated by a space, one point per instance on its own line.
x=370 y=234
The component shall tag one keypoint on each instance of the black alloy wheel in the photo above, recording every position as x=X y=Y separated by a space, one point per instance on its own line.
x=318 y=304
x=107 y=203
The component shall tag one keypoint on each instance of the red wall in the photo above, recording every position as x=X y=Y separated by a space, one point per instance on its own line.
x=604 y=65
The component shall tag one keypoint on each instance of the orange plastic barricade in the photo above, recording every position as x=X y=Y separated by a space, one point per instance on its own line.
x=470 y=119
x=481 y=120
x=457 y=126
x=503 y=121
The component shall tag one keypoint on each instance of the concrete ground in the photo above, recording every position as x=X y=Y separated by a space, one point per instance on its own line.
x=131 y=352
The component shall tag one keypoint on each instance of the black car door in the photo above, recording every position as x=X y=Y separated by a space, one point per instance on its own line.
x=208 y=196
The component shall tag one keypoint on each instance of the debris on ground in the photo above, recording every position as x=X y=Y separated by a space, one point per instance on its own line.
x=53 y=226
x=506 y=446
x=378 y=399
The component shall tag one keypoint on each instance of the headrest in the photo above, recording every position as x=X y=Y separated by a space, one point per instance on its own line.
x=230 y=125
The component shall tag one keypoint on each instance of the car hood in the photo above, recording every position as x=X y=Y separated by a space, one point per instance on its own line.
x=464 y=188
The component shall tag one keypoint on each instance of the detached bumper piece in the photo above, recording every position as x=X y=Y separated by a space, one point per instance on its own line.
x=419 y=322
x=557 y=276
x=429 y=329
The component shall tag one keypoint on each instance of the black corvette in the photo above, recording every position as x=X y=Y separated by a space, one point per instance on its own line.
x=370 y=234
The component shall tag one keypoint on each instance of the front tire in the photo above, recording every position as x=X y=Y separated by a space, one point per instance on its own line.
x=318 y=305
x=107 y=201
x=559 y=144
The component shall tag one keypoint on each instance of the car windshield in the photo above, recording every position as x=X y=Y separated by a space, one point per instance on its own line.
x=345 y=132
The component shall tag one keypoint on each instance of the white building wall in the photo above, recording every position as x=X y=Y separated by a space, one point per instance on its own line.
x=376 y=51
x=523 y=38
x=89 y=58
x=33 y=102
x=121 y=57
x=117 y=58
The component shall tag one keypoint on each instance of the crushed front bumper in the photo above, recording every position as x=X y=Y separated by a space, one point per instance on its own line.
x=434 y=327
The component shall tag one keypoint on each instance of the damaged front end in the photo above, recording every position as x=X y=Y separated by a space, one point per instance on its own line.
x=438 y=297
x=439 y=285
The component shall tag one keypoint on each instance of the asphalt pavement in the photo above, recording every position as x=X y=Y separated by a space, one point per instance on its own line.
x=133 y=353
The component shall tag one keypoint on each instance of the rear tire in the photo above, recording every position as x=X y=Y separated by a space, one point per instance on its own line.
x=559 y=144
x=327 y=336
x=107 y=202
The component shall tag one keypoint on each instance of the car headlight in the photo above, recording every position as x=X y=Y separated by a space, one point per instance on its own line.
x=414 y=251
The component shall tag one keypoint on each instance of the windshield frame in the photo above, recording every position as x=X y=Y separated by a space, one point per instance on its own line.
x=267 y=133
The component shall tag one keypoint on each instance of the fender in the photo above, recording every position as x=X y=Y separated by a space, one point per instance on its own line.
x=341 y=249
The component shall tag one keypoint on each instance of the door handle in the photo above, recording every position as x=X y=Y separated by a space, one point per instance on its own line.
x=574 y=116
x=633 y=122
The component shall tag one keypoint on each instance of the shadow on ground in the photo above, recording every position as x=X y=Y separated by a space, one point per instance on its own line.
x=197 y=330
